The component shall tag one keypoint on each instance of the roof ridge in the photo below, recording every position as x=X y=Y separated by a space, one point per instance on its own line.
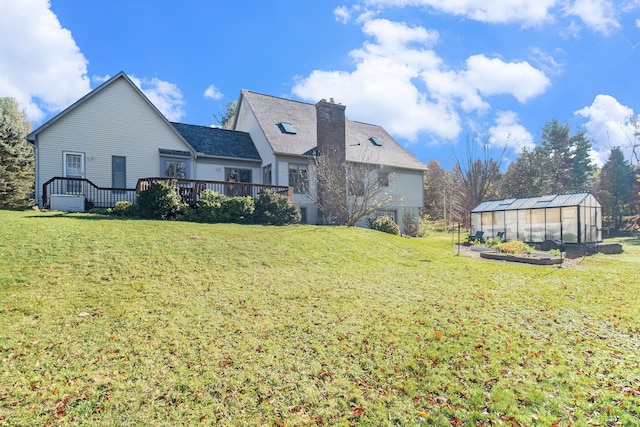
x=209 y=127
x=277 y=97
x=365 y=123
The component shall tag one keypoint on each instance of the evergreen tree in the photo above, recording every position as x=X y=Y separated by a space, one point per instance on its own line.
x=527 y=176
x=615 y=189
x=556 y=145
x=583 y=167
x=16 y=155
x=561 y=164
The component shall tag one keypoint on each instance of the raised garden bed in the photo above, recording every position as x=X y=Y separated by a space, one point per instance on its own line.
x=533 y=258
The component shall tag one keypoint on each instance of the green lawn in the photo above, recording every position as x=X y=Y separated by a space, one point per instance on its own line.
x=114 y=322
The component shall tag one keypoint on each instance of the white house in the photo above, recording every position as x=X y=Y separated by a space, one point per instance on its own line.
x=114 y=136
x=95 y=152
x=287 y=133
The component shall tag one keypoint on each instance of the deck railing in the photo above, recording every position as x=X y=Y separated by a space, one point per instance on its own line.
x=190 y=189
x=94 y=196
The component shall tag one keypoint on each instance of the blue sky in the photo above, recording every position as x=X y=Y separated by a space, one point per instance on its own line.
x=432 y=72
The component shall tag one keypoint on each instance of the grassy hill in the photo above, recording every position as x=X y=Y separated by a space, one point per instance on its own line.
x=126 y=322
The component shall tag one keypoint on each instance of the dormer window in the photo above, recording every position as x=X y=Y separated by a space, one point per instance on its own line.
x=287 y=128
x=375 y=141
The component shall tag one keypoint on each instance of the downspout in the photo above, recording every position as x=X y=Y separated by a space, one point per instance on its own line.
x=36 y=176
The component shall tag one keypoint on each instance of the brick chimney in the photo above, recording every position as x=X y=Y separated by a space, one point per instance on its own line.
x=331 y=138
x=331 y=128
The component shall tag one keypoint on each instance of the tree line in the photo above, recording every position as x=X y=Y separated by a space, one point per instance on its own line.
x=560 y=163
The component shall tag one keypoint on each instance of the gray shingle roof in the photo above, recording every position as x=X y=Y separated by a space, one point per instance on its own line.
x=270 y=111
x=218 y=142
x=549 y=201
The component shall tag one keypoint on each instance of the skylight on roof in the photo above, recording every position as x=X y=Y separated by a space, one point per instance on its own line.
x=287 y=128
x=375 y=141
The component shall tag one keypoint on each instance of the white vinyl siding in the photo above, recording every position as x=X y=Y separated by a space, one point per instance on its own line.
x=247 y=122
x=409 y=185
x=116 y=121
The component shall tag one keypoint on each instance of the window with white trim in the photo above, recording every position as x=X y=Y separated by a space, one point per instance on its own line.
x=73 y=167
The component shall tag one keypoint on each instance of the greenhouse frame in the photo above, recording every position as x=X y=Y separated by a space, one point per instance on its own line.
x=568 y=218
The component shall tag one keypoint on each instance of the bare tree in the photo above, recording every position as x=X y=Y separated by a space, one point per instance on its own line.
x=442 y=195
x=351 y=191
x=634 y=139
x=478 y=173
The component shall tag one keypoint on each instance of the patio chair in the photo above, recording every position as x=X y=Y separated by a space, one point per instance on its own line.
x=478 y=237
x=500 y=235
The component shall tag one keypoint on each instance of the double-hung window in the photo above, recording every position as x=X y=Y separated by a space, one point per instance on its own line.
x=299 y=177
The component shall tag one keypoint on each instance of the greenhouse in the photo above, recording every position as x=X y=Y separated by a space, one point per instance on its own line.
x=569 y=218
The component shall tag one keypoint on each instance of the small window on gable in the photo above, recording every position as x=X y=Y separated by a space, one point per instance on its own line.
x=287 y=128
x=375 y=141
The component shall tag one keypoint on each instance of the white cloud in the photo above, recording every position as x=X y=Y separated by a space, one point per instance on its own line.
x=508 y=132
x=400 y=82
x=212 y=92
x=495 y=77
x=609 y=124
x=525 y=12
x=100 y=79
x=164 y=95
x=45 y=71
x=342 y=14
x=599 y=15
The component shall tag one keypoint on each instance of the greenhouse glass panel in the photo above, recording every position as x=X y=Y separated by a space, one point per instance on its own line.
x=487 y=223
x=511 y=225
x=476 y=224
x=593 y=225
x=553 y=224
x=524 y=231
x=498 y=222
x=570 y=224
x=537 y=225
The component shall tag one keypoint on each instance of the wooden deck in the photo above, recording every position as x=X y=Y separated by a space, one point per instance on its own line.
x=189 y=189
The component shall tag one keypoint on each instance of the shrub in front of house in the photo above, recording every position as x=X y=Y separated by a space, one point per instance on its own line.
x=159 y=201
x=237 y=210
x=126 y=209
x=214 y=207
x=385 y=224
x=275 y=209
x=207 y=209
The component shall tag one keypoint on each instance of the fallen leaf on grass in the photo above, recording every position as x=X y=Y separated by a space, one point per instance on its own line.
x=357 y=411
